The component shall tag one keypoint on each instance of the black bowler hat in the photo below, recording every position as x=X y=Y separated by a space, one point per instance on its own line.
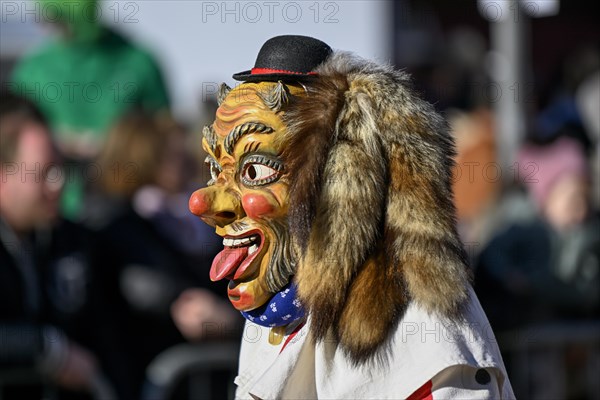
x=287 y=58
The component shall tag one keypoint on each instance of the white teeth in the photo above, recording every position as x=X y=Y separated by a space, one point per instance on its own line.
x=229 y=242
x=252 y=249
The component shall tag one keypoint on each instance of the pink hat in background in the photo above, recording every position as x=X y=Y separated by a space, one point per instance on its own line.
x=541 y=166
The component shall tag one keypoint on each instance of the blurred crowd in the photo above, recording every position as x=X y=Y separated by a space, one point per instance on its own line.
x=531 y=228
x=103 y=268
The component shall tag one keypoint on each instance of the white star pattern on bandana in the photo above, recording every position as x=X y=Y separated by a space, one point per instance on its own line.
x=282 y=309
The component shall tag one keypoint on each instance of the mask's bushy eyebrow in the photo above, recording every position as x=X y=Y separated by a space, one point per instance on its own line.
x=244 y=129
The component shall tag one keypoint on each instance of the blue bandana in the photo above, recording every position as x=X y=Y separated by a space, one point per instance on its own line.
x=282 y=309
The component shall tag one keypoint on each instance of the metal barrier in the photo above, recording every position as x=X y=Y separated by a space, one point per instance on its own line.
x=199 y=363
x=553 y=361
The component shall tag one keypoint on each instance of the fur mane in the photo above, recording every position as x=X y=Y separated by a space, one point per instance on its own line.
x=371 y=210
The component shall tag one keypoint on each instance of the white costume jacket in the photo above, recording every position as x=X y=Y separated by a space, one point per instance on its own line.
x=427 y=358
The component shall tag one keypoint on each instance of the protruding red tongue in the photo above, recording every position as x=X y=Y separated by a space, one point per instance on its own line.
x=226 y=262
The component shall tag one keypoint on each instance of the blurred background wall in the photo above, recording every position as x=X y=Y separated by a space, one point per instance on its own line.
x=202 y=43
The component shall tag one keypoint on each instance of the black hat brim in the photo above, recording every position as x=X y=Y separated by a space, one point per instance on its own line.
x=247 y=76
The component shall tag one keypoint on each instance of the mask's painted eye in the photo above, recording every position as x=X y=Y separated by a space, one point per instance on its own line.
x=260 y=170
x=215 y=169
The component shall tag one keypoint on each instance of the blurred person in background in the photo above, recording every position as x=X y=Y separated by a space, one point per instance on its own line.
x=154 y=255
x=477 y=179
x=549 y=264
x=83 y=81
x=45 y=298
x=569 y=107
x=546 y=268
x=546 y=260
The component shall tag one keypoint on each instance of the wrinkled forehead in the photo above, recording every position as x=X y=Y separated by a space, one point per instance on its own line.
x=250 y=110
x=260 y=102
x=243 y=104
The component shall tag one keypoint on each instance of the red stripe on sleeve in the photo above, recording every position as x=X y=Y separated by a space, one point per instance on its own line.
x=291 y=336
x=422 y=393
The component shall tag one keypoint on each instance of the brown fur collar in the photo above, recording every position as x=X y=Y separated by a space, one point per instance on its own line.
x=371 y=208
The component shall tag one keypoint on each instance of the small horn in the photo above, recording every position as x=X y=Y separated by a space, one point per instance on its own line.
x=223 y=92
x=277 y=97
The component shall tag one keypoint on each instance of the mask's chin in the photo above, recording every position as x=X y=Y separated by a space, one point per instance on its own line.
x=247 y=296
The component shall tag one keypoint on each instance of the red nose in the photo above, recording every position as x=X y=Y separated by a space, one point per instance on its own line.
x=199 y=204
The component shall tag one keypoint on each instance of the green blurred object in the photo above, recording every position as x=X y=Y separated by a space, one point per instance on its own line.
x=83 y=82
x=71 y=199
x=80 y=17
x=82 y=88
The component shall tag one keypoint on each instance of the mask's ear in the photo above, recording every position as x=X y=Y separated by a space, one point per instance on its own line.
x=373 y=204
